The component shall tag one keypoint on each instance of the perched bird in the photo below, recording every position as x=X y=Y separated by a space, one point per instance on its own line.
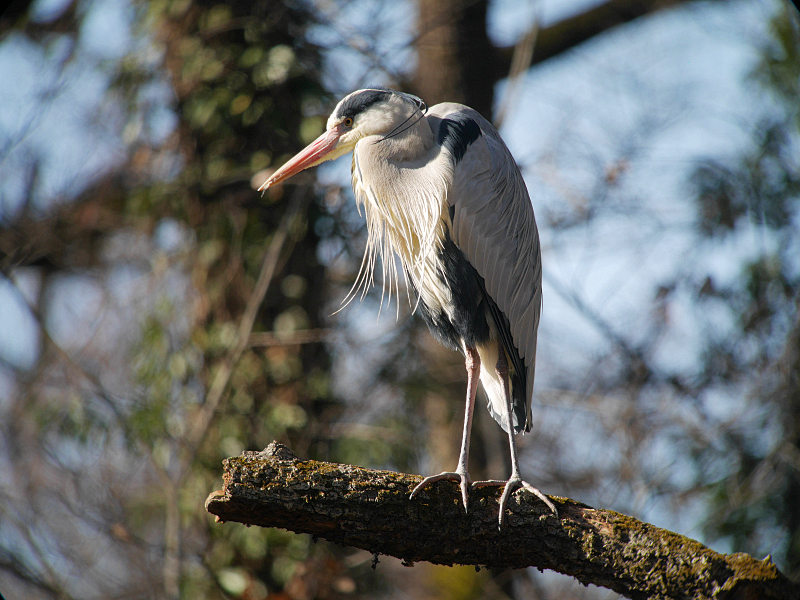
x=441 y=192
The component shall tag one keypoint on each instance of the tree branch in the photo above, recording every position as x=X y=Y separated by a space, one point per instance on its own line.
x=573 y=31
x=371 y=509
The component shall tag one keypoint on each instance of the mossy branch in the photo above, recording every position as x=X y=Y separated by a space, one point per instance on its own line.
x=371 y=509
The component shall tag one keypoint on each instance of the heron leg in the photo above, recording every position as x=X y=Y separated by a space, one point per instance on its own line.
x=473 y=364
x=515 y=481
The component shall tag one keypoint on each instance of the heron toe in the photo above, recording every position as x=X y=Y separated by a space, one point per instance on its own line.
x=514 y=483
x=462 y=478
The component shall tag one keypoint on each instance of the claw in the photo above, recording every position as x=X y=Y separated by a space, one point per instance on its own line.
x=462 y=478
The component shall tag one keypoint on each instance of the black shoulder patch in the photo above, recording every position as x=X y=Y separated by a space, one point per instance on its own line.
x=456 y=133
x=357 y=103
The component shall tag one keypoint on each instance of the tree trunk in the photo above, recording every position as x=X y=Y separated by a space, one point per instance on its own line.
x=455 y=59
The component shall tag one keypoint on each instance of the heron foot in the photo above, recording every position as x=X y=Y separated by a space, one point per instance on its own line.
x=462 y=478
x=514 y=482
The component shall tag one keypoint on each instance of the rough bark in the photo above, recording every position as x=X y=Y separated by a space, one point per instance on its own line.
x=371 y=509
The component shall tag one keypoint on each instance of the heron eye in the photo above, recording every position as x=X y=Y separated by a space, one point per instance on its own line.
x=348 y=122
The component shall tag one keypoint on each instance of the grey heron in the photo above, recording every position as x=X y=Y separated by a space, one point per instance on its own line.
x=441 y=192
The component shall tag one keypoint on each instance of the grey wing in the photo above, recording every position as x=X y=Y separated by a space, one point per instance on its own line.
x=495 y=228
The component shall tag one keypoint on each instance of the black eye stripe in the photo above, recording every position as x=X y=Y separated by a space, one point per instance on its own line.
x=358 y=103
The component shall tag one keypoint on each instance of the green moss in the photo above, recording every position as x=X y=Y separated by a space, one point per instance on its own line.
x=747 y=567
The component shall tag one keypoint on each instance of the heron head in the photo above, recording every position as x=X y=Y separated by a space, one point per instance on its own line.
x=373 y=111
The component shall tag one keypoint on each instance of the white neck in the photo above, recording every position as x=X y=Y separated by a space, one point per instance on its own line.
x=402 y=183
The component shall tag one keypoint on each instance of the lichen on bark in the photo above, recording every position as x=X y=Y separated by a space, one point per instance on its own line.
x=371 y=509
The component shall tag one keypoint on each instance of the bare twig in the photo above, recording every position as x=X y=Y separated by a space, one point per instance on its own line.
x=520 y=63
x=225 y=369
x=303 y=336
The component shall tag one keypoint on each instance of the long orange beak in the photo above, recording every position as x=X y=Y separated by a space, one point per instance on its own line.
x=309 y=156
